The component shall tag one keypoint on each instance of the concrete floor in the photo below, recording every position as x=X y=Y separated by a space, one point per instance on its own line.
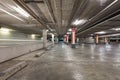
x=86 y=62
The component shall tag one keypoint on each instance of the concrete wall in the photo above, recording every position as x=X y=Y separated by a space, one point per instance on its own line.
x=89 y=40
x=9 y=52
x=102 y=40
x=13 y=34
x=14 y=43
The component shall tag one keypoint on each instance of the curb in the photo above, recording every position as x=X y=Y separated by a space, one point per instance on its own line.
x=12 y=70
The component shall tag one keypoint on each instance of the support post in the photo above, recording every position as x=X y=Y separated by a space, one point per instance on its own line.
x=106 y=40
x=73 y=42
x=45 y=38
x=77 y=40
x=52 y=38
x=97 y=39
x=67 y=39
x=64 y=38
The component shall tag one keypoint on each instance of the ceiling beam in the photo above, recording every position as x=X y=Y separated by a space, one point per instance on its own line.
x=105 y=14
x=33 y=1
x=48 y=4
x=81 y=4
x=51 y=12
x=25 y=7
x=109 y=16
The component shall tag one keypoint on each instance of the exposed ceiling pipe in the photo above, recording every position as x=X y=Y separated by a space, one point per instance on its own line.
x=25 y=7
x=101 y=16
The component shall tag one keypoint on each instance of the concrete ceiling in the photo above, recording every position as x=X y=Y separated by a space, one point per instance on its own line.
x=59 y=15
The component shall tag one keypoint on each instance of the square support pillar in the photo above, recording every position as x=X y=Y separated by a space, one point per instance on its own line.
x=45 y=38
x=53 y=38
x=97 y=39
x=73 y=42
x=106 y=40
x=67 y=39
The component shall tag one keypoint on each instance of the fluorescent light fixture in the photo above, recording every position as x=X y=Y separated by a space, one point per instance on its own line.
x=91 y=34
x=101 y=32
x=116 y=29
x=110 y=35
x=70 y=29
x=4 y=31
x=114 y=1
x=77 y=22
x=102 y=2
x=47 y=30
x=21 y=11
x=11 y=14
x=33 y=36
x=68 y=32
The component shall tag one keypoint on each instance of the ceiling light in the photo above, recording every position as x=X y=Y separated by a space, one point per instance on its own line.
x=47 y=30
x=77 y=22
x=116 y=29
x=33 y=36
x=70 y=29
x=102 y=2
x=10 y=14
x=101 y=32
x=68 y=32
x=4 y=31
x=21 y=11
x=91 y=34
x=114 y=1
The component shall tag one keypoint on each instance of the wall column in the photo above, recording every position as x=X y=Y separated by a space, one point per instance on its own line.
x=77 y=40
x=67 y=39
x=64 y=38
x=106 y=40
x=97 y=39
x=73 y=42
x=44 y=38
x=53 y=38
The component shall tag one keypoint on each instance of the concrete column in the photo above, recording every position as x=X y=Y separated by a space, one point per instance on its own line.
x=44 y=38
x=105 y=40
x=97 y=39
x=64 y=38
x=56 y=39
x=67 y=39
x=52 y=38
x=73 y=43
x=78 y=40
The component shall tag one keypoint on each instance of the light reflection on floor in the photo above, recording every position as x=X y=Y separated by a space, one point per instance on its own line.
x=86 y=62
